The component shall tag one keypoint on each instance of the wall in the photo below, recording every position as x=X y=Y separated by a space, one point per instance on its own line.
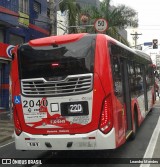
x=12 y=21
x=15 y=29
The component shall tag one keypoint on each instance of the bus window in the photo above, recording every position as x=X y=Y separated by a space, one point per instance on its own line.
x=139 y=79
x=131 y=74
x=117 y=77
x=149 y=77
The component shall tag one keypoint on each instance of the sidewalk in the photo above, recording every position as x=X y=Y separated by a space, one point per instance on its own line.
x=154 y=149
x=6 y=126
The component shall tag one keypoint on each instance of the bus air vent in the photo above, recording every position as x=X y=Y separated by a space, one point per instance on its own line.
x=72 y=84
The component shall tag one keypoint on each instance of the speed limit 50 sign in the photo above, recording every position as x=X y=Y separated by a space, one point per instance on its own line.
x=101 y=25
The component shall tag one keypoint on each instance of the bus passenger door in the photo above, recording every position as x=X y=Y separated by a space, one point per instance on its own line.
x=122 y=92
x=119 y=93
x=127 y=96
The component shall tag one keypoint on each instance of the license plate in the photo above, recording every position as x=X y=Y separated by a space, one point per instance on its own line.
x=33 y=144
x=74 y=108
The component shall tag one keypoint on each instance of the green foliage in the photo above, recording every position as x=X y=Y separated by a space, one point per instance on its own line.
x=73 y=11
x=118 y=17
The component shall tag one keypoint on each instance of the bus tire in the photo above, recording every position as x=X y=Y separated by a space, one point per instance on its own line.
x=135 y=126
x=153 y=102
x=150 y=111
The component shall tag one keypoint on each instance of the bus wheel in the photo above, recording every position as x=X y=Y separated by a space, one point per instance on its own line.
x=150 y=111
x=153 y=102
x=135 y=126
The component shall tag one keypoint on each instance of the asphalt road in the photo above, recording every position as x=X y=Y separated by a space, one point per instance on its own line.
x=131 y=149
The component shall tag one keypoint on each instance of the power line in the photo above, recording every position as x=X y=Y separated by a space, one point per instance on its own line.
x=135 y=37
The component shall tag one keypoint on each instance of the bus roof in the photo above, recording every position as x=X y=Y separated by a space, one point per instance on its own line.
x=73 y=37
x=61 y=39
x=142 y=54
x=134 y=51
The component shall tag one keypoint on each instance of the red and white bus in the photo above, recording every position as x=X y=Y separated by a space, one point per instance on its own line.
x=79 y=92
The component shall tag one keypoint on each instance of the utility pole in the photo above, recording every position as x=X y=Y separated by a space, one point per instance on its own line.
x=135 y=37
x=53 y=13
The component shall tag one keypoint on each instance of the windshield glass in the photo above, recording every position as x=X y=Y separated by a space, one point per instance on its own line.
x=57 y=60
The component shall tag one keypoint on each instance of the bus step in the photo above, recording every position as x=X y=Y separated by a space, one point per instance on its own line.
x=128 y=133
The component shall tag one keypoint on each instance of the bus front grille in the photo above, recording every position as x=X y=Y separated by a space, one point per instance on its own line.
x=72 y=84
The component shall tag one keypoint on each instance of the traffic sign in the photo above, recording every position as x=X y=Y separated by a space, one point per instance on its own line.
x=17 y=99
x=101 y=25
x=147 y=43
x=155 y=43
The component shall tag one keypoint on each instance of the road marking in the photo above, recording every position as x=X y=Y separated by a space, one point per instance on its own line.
x=6 y=144
x=152 y=143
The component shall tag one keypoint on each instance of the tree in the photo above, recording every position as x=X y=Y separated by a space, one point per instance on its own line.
x=73 y=10
x=118 y=18
x=52 y=17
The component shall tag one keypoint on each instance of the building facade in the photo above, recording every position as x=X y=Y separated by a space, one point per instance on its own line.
x=20 y=21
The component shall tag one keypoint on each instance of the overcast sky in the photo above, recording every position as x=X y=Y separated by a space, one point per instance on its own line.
x=148 y=15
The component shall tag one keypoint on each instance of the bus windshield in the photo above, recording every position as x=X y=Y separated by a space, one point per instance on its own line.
x=57 y=60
